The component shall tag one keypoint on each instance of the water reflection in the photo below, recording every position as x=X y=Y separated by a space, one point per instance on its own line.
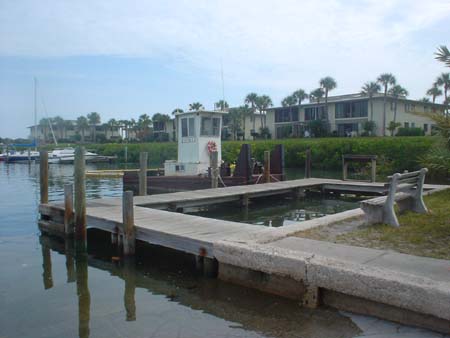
x=165 y=273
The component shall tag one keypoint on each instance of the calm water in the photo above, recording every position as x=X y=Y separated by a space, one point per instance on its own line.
x=45 y=291
x=278 y=211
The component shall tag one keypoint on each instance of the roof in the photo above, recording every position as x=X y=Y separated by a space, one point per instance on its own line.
x=360 y=96
x=201 y=111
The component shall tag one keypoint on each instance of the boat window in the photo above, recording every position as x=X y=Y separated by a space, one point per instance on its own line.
x=187 y=127
x=210 y=126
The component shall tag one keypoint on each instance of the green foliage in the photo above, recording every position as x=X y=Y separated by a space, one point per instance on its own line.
x=393 y=126
x=319 y=128
x=394 y=154
x=369 y=128
x=410 y=132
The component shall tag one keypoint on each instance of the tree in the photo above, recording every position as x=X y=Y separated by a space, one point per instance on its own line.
x=82 y=125
x=385 y=80
x=235 y=119
x=300 y=95
x=316 y=95
x=288 y=101
x=251 y=100
x=370 y=89
x=393 y=126
x=196 y=106
x=244 y=111
x=177 y=111
x=94 y=120
x=112 y=123
x=425 y=100
x=434 y=92
x=262 y=103
x=327 y=84
x=143 y=126
x=60 y=124
x=369 y=128
x=222 y=105
x=396 y=92
x=443 y=55
x=444 y=81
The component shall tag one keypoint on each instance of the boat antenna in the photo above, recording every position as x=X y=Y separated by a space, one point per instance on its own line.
x=223 y=82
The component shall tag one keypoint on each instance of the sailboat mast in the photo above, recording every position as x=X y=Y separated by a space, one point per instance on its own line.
x=35 y=114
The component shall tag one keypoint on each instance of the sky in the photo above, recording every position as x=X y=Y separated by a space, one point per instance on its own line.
x=126 y=58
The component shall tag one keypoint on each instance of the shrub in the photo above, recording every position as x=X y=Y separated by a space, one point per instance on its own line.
x=410 y=132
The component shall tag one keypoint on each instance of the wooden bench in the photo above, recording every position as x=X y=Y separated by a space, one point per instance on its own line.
x=404 y=189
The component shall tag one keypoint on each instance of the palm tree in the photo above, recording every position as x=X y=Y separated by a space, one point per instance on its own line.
x=300 y=95
x=235 y=118
x=262 y=103
x=434 y=92
x=443 y=55
x=444 y=81
x=328 y=84
x=396 y=92
x=385 y=80
x=196 y=106
x=245 y=111
x=94 y=120
x=288 y=101
x=370 y=89
x=143 y=125
x=82 y=125
x=316 y=95
x=425 y=100
x=177 y=111
x=251 y=100
x=112 y=124
x=222 y=105
x=60 y=125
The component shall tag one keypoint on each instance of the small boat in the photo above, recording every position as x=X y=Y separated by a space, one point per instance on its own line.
x=13 y=156
x=67 y=156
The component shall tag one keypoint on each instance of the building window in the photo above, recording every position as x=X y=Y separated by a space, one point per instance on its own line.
x=287 y=114
x=210 y=126
x=351 y=109
x=413 y=124
x=158 y=126
x=284 y=131
x=406 y=124
x=315 y=113
x=425 y=127
x=347 y=129
x=187 y=127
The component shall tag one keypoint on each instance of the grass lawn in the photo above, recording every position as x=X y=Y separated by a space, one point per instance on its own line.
x=419 y=234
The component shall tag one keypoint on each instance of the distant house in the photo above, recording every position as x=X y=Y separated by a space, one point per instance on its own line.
x=347 y=114
x=68 y=132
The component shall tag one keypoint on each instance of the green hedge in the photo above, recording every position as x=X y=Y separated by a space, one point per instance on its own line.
x=394 y=153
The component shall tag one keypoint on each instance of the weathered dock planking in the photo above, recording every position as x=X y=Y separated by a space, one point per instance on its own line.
x=188 y=233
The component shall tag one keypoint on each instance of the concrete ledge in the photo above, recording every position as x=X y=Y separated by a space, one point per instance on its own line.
x=403 y=291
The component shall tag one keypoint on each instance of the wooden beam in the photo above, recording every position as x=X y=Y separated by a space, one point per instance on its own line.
x=43 y=176
x=143 y=159
x=80 y=196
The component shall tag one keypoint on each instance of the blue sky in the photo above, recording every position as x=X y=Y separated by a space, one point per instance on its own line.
x=123 y=59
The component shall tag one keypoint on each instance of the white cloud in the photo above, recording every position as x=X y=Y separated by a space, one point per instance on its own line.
x=272 y=45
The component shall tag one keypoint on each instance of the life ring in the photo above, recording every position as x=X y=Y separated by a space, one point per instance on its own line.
x=212 y=146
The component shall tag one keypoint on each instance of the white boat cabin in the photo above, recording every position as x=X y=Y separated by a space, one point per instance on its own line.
x=199 y=132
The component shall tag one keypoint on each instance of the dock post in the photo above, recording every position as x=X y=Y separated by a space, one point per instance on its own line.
x=68 y=209
x=267 y=166
x=344 y=168
x=308 y=163
x=80 y=198
x=47 y=265
x=373 y=170
x=143 y=158
x=214 y=164
x=84 y=296
x=129 y=275
x=43 y=175
x=129 y=245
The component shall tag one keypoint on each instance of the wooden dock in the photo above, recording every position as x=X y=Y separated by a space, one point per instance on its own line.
x=187 y=233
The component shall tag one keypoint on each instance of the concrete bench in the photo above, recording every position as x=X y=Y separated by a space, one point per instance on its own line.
x=404 y=189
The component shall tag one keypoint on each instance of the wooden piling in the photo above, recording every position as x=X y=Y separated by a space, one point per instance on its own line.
x=80 y=196
x=43 y=176
x=129 y=275
x=267 y=166
x=308 y=163
x=143 y=158
x=129 y=239
x=68 y=210
x=47 y=267
x=214 y=164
